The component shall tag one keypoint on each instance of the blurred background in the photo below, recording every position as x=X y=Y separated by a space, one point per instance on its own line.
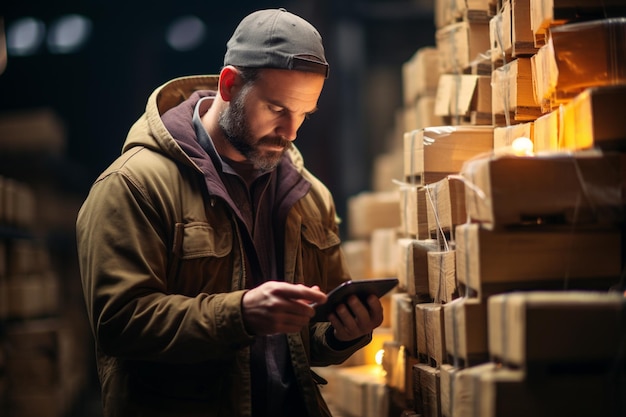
x=94 y=63
x=74 y=76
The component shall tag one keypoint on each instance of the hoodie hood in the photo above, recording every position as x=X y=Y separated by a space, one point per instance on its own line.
x=151 y=130
x=161 y=129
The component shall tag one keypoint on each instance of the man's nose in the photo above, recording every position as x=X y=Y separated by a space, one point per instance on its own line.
x=288 y=128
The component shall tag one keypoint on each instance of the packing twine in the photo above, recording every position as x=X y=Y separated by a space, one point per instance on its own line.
x=505 y=68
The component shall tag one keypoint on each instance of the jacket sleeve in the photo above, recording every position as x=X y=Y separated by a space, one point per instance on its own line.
x=324 y=353
x=123 y=256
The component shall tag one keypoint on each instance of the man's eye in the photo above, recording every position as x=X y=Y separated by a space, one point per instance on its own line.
x=275 y=109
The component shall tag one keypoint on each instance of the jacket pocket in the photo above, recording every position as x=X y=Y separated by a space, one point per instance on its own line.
x=200 y=259
x=320 y=255
x=321 y=237
x=198 y=240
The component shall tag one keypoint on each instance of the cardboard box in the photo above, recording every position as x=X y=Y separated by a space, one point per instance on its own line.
x=504 y=136
x=45 y=366
x=552 y=329
x=358 y=257
x=466 y=391
x=32 y=131
x=432 y=153
x=545 y=15
x=595 y=120
x=447 y=12
x=17 y=204
x=585 y=55
x=500 y=35
x=509 y=392
x=420 y=75
x=445 y=205
x=414 y=212
x=459 y=44
x=545 y=76
x=523 y=40
x=368 y=211
x=590 y=54
x=552 y=189
x=360 y=391
x=512 y=91
x=465 y=324
x=478 y=10
x=442 y=281
x=490 y=262
x=27 y=256
x=403 y=321
x=446 y=386
x=384 y=252
x=33 y=296
x=421 y=114
x=386 y=167
x=546 y=132
x=413 y=266
x=490 y=390
x=430 y=331
x=398 y=366
x=426 y=390
x=463 y=98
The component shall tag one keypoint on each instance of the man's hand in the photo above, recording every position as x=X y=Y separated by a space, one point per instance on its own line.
x=279 y=307
x=355 y=319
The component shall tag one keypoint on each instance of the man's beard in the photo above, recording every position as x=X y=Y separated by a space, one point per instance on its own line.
x=236 y=129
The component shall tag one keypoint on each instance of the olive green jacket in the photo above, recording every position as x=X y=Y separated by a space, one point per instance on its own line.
x=163 y=273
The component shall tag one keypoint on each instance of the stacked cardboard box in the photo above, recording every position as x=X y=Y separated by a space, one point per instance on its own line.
x=43 y=353
x=513 y=228
x=546 y=14
x=45 y=348
x=420 y=75
x=357 y=387
x=534 y=230
x=462 y=40
x=547 y=349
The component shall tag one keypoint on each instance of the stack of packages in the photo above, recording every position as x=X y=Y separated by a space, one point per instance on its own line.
x=43 y=348
x=40 y=359
x=357 y=388
x=510 y=246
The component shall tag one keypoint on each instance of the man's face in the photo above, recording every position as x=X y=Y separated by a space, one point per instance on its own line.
x=263 y=117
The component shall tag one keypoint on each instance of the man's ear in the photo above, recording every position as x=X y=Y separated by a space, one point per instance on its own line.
x=229 y=82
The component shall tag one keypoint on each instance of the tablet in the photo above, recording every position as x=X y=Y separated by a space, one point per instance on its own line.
x=361 y=288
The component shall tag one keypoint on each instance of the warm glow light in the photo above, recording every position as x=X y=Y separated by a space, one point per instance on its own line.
x=522 y=146
x=379 y=357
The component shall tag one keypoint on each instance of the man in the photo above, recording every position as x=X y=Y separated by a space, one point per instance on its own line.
x=203 y=247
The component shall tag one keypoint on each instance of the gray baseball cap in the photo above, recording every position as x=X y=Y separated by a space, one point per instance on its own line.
x=276 y=38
